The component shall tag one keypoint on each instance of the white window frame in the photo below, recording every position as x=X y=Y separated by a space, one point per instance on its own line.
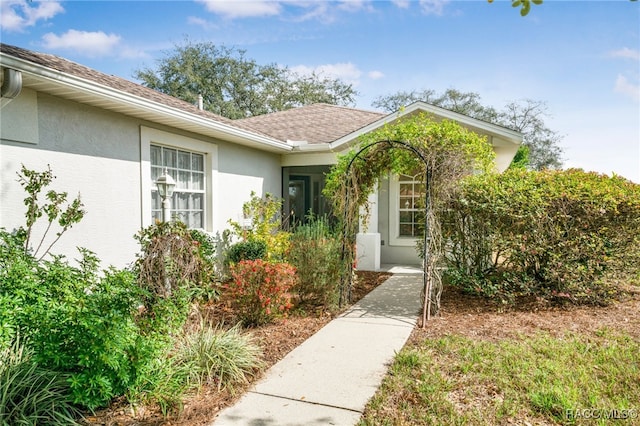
x=394 y=216
x=176 y=171
x=150 y=136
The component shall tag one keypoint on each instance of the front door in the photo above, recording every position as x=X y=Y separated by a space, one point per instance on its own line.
x=299 y=198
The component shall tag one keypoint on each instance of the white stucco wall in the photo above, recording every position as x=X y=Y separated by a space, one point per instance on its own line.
x=242 y=170
x=105 y=157
x=92 y=153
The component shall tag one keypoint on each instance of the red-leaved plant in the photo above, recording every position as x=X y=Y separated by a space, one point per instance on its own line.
x=260 y=290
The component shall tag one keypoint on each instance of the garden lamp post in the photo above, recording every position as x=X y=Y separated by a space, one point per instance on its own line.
x=165 y=184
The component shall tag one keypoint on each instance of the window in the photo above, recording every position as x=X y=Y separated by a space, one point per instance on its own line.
x=187 y=168
x=406 y=209
x=411 y=206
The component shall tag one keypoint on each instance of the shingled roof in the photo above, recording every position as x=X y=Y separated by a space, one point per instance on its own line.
x=313 y=124
x=77 y=70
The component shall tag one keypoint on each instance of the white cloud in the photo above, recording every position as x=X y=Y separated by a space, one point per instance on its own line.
x=346 y=72
x=354 y=5
x=91 y=44
x=193 y=20
x=242 y=8
x=402 y=4
x=17 y=15
x=298 y=10
x=627 y=88
x=626 y=53
x=433 y=7
x=375 y=75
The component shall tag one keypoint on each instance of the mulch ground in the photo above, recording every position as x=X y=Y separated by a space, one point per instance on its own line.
x=476 y=318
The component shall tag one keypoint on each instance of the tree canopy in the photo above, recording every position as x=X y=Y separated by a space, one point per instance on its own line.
x=540 y=144
x=235 y=86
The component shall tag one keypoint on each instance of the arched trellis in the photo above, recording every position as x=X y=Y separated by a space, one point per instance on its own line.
x=346 y=279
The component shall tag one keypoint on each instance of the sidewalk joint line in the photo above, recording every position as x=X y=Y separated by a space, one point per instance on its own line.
x=307 y=402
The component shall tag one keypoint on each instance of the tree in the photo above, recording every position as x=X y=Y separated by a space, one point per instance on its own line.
x=527 y=117
x=542 y=143
x=524 y=5
x=235 y=86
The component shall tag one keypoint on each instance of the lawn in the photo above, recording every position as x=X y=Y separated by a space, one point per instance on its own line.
x=480 y=365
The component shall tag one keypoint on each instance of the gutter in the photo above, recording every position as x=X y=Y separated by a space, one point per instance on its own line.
x=11 y=85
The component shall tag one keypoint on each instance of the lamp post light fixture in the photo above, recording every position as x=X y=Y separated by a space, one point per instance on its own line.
x=166 y=184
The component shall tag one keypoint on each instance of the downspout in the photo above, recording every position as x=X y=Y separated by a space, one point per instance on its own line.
x=11 y=85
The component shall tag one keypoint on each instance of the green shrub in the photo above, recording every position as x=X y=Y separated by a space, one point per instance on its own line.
x=554 y=234
x=315 y=253
x=163 y=382
x=265 y=217
x=221 y=357
x=78 y=323
x=100 y=330
x=31 y=395
x=260 y=290
x=247 y=250
x=209 y=276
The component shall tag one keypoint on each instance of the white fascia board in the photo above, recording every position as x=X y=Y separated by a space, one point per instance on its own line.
x=107 y=92
x=316 y=147
x=493 y=129
x=511 y=135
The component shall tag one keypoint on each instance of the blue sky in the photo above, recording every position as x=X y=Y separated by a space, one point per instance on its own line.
x=582 y=58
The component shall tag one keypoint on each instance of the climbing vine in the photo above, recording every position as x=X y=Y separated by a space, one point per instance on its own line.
x=439 y=153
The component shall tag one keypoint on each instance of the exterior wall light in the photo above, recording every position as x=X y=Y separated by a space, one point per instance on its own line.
x=166 y=184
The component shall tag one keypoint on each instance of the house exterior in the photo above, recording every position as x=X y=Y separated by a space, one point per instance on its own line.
x=109 y=139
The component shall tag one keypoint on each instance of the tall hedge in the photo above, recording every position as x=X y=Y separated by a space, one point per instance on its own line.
x=555 y=234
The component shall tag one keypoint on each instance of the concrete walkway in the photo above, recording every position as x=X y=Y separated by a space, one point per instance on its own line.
x=329 y=379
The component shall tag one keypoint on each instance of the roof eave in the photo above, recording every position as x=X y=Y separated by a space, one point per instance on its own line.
x=120 y=101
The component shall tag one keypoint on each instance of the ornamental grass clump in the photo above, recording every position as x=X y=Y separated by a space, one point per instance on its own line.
x=30 y=394
x=260 y=291
x=224 y=358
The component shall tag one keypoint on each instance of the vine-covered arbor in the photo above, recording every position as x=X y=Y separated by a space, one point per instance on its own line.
x=439 y=153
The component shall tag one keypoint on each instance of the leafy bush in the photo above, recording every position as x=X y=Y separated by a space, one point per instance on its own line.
x=260 y=290
x=31 y=395
x=222 y=357
x=78 y=323
x=315 y=253
x=81 y=323
x=207 y=251
x=34 y=183
x=162 y=381
x=266 y=225
x=555 y=234
x=247 y=250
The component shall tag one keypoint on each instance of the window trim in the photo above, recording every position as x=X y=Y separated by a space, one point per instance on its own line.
x=394 y=215
x=150 y=136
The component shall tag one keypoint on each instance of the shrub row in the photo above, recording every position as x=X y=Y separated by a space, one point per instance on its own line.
x=553 y=234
